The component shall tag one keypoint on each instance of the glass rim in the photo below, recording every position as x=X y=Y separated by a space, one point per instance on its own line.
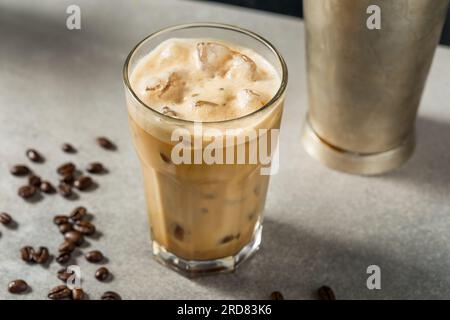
x=275 y=98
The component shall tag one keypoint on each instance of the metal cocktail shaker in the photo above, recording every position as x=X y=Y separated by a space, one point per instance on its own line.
x=365 y=85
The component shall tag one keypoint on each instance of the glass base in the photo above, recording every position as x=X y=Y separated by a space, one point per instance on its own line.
x=193 y=268
x=355 y=163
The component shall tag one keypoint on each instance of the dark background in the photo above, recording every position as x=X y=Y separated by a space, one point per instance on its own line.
x=294 y=8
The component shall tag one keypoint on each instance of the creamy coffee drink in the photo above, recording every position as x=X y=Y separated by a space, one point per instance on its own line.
x=204 y=80
x=202 y=212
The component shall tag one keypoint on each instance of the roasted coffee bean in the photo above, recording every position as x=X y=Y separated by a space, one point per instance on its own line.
x=26 y=192
x=95 y=167
x=78 y=213
x=94 y=256
x=68 y=179
x=5 y=218
x=65 y=190
x=102 y=274
x=68 y=148
x=326 y=293
x=63 y=257
x=63 y=274
x=27 y=254
x=34 y=181
x=77 y=294
x=105 y=143
x=47 y=187
x=84 y=227
x=20 y=170
x=60 y=292
x=111 y=295
x=34 y=156
x=66 y=169
x=65 y=227
x=276 y=295
x=66 y=246
x=58 y=220
x=83 y=183
x=41 y=255
x=75 y=237
x=178 y=232
x=17 y=286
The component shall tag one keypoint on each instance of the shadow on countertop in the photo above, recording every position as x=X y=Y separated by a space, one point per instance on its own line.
x=429 y=167
x=298 y=262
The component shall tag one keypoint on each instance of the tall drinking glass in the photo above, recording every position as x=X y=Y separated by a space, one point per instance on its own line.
x=204 y=218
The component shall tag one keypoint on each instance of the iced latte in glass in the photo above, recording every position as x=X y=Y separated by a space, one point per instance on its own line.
x=193 y=92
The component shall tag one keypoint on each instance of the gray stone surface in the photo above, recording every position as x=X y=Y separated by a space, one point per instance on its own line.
x=321 y=226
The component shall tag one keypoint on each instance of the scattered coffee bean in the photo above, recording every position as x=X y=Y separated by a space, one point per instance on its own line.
x=41 y=255
x=75 y=237
x=47 y=187
x=34 y=181
x=68 y=148
x=27 y=254
x=63 y=274
x=95 y=167
x=102 y=274
x=94 y=256
x=111 y=295
x=26 y=192
x=83 y=183
x=78 y=213
x=17 y=286
x=5 y=218
x=58 y=220
x=66 y=246
x=105 y=143
x=68 y=179
x=66 y=169
x=65 y=227
x=326 y=293
x=60 y=292
x=65 y=190
x=34 y=156
x=20 y=170
x=84 y=227
x=178 y=232
x=77 y=294
x=63 y=257
x=276 y=295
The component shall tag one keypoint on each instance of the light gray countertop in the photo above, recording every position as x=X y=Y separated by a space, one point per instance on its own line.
x=321 y=227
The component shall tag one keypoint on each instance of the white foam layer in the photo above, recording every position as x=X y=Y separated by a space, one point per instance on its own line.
x=204 y=80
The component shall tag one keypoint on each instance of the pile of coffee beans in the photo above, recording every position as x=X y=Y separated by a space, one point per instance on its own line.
x=74 y=226
x=70 y=176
